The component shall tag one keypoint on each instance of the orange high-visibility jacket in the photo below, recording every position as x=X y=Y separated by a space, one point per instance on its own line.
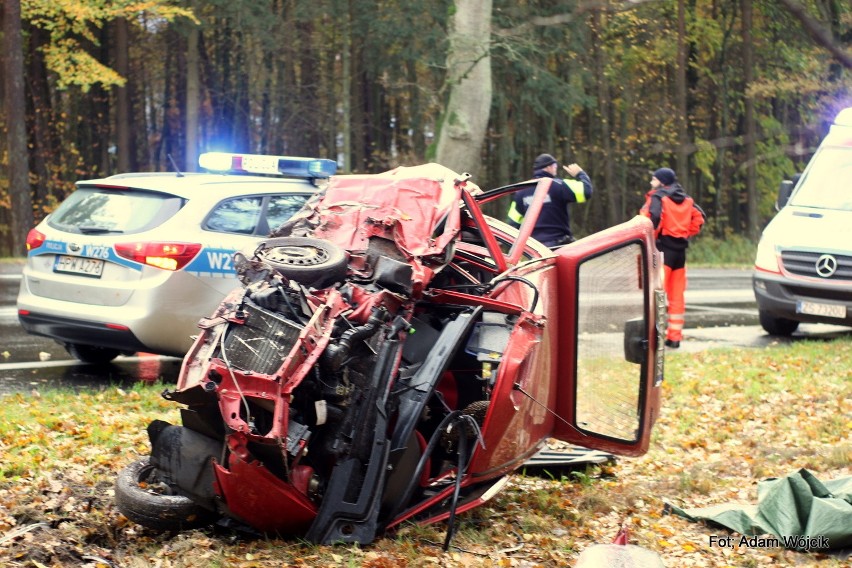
x=673 y=212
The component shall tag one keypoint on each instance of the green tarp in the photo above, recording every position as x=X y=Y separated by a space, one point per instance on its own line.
x=801 y=511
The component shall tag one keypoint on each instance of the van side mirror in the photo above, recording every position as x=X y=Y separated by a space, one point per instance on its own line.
x=784 y=191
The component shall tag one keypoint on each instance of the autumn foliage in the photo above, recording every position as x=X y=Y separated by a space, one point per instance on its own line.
x=620 y=87
x=730 y=418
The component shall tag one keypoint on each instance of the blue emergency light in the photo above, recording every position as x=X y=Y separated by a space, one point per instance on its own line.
x=270 y=165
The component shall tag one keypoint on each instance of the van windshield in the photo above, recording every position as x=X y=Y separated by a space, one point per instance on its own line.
x=826 y=183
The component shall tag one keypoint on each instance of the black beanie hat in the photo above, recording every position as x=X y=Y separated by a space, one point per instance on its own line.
x=542 y=161
x=665 y=175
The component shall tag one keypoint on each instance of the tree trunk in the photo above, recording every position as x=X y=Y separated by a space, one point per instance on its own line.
x=309 y=140
x=681 y=94
x=16 y=134
x=265 y=127
x=99 y=130
x=465 y=119
x=123 y=112
x=505 y=149
x=241 y=125
x=346 y=95
x=752 y=199
x=43 y=148
x=418 y=143
x=193 y=100
x=820 y=34
x=357 y=150
x=612 y=195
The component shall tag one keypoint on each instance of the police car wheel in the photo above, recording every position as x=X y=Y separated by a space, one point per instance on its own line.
x=312 y=262
x=91 y=353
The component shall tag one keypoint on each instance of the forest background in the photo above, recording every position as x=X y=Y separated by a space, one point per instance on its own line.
x=733 y=94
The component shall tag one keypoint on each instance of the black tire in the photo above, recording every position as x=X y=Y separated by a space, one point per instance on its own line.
x=312 y=262
x=158 y=511
x=92 y=354
x=777 y=326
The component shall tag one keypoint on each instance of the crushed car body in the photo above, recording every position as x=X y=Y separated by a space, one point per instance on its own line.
x=393 y=354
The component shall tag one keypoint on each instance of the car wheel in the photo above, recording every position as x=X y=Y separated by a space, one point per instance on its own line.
x=777 y=326
x=145 y=500
x=312 y=262
x=92 y=354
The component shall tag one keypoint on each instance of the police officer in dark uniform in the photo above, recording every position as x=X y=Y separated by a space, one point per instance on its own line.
x=553 y=227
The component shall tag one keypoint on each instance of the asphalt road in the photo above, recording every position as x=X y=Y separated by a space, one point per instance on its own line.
x=30 y=362
x=721 y=312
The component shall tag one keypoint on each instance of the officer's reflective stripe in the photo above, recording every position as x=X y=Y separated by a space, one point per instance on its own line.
x=514 y=214
x=577 y=188
x=676 y=321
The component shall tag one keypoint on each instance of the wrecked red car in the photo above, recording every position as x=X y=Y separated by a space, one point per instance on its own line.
x=393 y=354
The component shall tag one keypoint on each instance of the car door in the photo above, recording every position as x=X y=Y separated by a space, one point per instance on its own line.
x=609 y=331
x=611 y=312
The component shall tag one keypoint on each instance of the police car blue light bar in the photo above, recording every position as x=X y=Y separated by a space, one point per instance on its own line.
x=270 y=165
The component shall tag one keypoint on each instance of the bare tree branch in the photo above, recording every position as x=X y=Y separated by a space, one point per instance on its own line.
x=815 y=29
x=561 y=19
x=818 y=33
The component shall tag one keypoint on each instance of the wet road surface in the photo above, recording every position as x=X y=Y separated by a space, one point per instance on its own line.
x=30 y=362
x=721 y=312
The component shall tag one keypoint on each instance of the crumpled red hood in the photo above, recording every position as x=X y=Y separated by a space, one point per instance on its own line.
x=407 y=205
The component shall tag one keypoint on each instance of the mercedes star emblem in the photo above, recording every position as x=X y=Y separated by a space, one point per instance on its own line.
x=826 y=265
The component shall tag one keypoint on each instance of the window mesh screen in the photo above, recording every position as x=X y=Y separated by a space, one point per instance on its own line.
x=610 y=295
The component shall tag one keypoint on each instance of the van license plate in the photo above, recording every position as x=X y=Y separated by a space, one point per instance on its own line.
x=93 y=267
x=817 y=309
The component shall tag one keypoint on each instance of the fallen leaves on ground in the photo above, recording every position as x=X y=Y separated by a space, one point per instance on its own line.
x=730 y=418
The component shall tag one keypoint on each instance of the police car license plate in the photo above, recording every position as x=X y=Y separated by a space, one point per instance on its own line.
x=817 y=309
x=92 y=267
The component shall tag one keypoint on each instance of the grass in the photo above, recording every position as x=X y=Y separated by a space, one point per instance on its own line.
x=62 y=427
x=732 y=251
x=730 y=418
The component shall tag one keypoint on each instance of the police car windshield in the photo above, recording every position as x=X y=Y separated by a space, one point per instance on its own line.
x=825 y=184
x=94 y=210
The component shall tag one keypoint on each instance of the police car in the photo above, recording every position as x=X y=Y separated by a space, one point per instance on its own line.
x=133 y=261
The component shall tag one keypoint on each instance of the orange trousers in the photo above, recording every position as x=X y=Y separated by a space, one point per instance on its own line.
x=675 y=282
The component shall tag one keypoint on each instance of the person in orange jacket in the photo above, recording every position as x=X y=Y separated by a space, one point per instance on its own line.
x=676 y=218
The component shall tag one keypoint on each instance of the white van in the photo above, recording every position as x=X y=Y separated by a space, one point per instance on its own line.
x=803 y=269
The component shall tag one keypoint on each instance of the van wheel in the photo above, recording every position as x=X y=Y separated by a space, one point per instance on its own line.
x=144 y=499
x=777 y=326
x=91 y=354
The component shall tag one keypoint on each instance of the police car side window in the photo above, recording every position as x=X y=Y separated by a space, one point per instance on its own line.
x=282 y=207
x=239 y=215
